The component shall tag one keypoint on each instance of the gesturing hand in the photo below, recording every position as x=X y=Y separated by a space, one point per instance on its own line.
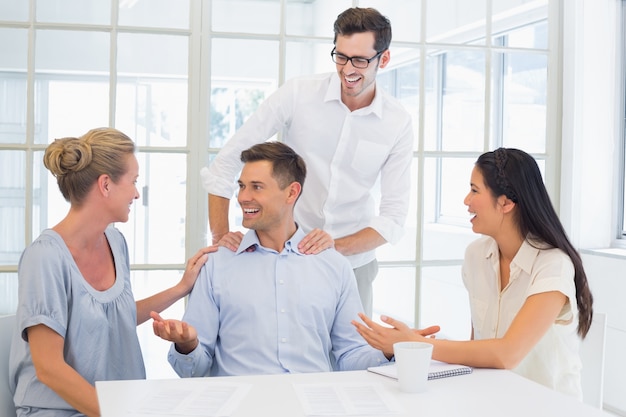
x=181 y=333
x=383 y=337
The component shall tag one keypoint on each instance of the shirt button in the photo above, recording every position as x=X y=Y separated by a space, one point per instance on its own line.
x=282 y=310
x=281 y=282
x=283 y=340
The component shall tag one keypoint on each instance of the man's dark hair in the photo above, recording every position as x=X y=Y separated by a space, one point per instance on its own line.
x=287 y=165
x=360 y=20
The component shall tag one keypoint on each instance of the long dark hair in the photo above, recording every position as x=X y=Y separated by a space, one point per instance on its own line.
x=515 y=174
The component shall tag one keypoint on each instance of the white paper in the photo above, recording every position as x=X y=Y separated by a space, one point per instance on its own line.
x=210 y=399
x=345 y=399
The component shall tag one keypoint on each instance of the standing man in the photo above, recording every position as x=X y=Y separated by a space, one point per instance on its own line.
x=350 y=133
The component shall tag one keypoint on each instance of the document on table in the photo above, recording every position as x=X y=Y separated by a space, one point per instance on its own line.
x=209 y=399
x=345 y=399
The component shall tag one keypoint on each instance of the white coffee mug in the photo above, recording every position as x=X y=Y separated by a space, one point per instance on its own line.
x=413 y=363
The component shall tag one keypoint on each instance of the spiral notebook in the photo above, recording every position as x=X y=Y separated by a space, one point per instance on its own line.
x=437 y=370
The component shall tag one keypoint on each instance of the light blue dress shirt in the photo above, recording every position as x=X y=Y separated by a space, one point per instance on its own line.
x=264 y=312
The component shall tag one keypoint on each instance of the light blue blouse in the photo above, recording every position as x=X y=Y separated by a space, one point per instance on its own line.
x=99 y=327
x=264 y=312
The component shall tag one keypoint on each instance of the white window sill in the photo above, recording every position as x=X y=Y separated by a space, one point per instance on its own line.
x=617 y=253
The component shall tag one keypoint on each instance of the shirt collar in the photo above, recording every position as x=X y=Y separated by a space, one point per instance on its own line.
x=250 y=242
x=334 y=94
x=524 y=258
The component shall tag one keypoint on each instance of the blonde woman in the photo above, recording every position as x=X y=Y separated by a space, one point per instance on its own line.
x=77 y=317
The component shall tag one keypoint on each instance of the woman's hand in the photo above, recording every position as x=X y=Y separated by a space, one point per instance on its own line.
x=383 y=338
x=194 y=264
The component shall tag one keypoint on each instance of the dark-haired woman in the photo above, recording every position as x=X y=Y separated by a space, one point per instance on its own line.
x=529 y=297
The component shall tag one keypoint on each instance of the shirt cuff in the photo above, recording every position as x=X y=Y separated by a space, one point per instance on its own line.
x=388 y=229
x=215 y=185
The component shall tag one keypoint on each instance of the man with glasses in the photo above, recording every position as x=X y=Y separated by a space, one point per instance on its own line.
x=350 y=134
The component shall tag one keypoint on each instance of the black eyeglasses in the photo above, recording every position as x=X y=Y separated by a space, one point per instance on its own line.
x=357 y=61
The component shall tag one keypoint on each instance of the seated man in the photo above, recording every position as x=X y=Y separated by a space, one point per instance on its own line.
x=267 y=308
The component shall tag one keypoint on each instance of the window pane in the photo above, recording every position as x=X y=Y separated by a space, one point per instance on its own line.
x=89 y=52
x=453 y=21
x=14 y=10
x=8 y=293
x=49 y=206
x=523 y=79
x=314 y=18
x=402 y=82
x=447 y=230
x=530 y=36
x=455 y=101
x=237 y=87
x=152 y=98
x=146 y=54
x=404 y=15
x=308 y=57
x=508 y=14
x=153 y=348
x=69 y=105
x=231 y=105
x=72 y=108
x=247 y=59
x=394 y=293
x=259 y=16
x=152 y=112
x=12 y=205
x=444 y=301
x=154 y=13
x=13 y=61
x=74 y=11
x=155 y=232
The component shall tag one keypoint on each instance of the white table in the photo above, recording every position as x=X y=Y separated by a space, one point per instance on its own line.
x=484 y=393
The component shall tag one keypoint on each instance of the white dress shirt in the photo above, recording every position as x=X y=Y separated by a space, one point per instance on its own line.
x=345 y=153
x=554 y=360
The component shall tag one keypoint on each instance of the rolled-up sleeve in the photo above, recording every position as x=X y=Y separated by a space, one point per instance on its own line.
x=395 y=186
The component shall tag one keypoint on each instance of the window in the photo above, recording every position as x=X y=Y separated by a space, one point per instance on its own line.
x=476 y=97
x=180 y=86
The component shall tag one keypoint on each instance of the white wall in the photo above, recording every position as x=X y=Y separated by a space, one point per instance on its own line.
x=607 y=279
x=589 y=176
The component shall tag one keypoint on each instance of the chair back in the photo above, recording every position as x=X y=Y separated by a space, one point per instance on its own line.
x=592 y=357
x=7 y=326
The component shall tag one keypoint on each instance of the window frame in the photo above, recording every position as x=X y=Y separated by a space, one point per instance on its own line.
x=621 y=146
